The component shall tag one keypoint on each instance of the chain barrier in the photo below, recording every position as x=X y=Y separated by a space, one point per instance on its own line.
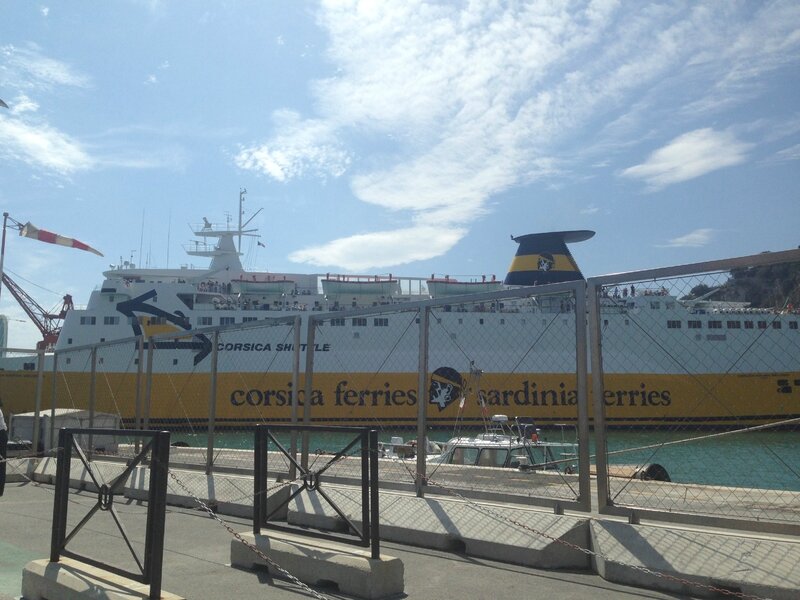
x=238 y=536
x=486 y=509
x=482 y=508
x=202 y=506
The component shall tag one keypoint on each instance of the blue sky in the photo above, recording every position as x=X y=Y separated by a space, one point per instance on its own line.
x=405 y=137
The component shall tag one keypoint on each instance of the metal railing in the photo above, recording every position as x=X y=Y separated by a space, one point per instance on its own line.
x=149 y=566
x=309 y=480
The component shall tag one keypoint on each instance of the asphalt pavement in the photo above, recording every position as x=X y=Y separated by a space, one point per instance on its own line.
x=197 y=557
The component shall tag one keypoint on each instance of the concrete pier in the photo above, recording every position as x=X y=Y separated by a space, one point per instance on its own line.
x=691 y=561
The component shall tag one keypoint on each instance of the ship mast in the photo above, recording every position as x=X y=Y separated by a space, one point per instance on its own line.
x=242 y=192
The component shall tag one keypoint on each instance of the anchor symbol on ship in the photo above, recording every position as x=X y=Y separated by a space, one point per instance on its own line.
x=200 y=343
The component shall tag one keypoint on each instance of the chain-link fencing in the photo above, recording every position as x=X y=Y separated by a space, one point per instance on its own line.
x=21 y=391
x=479 y=393
x=702 y=388
x=698 y=419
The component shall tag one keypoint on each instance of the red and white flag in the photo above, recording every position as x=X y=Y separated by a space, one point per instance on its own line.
x=30 y=231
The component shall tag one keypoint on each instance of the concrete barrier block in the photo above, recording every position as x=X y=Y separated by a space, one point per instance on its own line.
x=19 y=470
x=696 y=563
x=72 y=580
x=457 y=526
x=319 y=562
x=79 y=477
x=226 y=494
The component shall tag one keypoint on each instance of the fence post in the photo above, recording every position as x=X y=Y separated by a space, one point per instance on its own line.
x=51 y=434
x=154 y=536
x=375 y=536
x=212 y=404
x=584 y=479
x=309 y=387
x=63 y=462
x=148 y=395
x=295 y=393
x=598 y=390
x=92 y=400
x=259 y=479
x=422 y=394
x=366 y=481
x=38 y=406
x=137 y=417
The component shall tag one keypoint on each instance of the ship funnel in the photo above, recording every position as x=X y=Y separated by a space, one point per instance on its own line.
x=544 y=258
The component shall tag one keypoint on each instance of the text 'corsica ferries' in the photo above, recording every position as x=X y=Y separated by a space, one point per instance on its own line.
x=366 y=369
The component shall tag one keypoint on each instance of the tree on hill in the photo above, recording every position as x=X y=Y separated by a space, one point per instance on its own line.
x=767 y=286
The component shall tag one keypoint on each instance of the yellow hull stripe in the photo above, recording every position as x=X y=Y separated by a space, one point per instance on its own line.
x=390 y=399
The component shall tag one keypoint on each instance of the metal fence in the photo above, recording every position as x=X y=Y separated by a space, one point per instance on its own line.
x=681 y=388
x=144 y=567
x=708 y=389
x=276 y=456
x=438 y=370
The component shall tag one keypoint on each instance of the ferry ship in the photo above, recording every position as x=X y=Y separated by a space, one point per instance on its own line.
x=365 y=368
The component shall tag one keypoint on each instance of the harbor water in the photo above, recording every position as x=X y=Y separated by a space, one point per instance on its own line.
x=758 y=459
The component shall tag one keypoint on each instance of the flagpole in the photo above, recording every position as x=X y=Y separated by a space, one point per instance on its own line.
x=3 y=250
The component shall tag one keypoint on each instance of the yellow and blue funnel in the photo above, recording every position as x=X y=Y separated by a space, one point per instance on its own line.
x=544 y=258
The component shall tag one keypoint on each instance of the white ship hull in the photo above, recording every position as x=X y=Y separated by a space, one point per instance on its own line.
x=365 y=368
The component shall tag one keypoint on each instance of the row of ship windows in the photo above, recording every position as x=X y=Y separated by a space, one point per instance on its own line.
x=731 y=324
x=109 y=320
x=384 y=322
x=209 y=321
x=100 y=360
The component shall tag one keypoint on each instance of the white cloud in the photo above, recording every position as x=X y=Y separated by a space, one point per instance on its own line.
x=458 y=102
x=380 y=248
x=28 y=68
x=694 y=239
x=44 y=10
x=590 y=210
x=788 y=154
x=22 y=136
x=22 y=104
x=689 y=156
x=300 y=148
x=42 y=146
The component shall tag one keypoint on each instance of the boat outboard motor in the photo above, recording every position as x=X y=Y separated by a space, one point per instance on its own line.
x=544 y=258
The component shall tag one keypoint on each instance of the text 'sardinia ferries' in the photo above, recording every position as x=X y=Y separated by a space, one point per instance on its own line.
x=365 y=369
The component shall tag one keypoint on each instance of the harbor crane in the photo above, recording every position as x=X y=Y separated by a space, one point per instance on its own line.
x=48 y=323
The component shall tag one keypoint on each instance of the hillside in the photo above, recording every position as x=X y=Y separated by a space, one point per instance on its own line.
x=771 y=286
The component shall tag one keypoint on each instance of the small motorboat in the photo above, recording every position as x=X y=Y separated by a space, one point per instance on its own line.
x=516 y=445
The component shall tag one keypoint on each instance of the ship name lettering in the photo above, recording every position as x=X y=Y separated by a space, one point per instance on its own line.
x=274 y=397
x=290 y=347
x=267 y=347
x=346 y=396
x=640 y=397
x=244 y=347
x=530 y=394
